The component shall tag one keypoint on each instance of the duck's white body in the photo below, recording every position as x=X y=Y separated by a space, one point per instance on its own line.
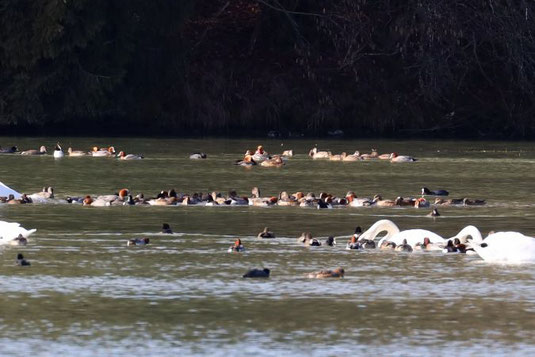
x=315 y=154
x=11 y=230
x=58 y=152
x=506 y=247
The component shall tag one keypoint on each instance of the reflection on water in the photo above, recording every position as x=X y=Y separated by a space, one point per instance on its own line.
x=88 y=294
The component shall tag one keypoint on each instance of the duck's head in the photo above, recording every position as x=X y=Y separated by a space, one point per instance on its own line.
x=146 y=240
x=237 y=243
x=255 y=192
x=393 y=155
x=312 y=152
x=299 y=195
x=95 y=148
x=121 y=154
x=166 y=226
x=260 y=149
x=340 y=271
x=331 y=241
x=20 y=256
x=358 y=231
x=425 y=191
x=123 y=193
x=42 y=149
x=87 y=200
x=377 y=197
x=111 y=150
x=427 y=241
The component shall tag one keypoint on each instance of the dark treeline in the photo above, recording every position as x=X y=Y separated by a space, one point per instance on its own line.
x=381 y=68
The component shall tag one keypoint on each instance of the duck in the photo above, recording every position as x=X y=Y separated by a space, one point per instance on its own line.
x=237 y=247
x=336 y=273
x=257 y=273
x=305 y=238
x=10 y=150
x=451 y=201
x=315 y=154
x=45 y=194
x=400 y=201
x=394 y=157
x=58 y=152
x=260 y=155
x=450 y=248
x=76 y=153
x=426 y=191
x=462 y=248
x=386 y=245
x=12 y=230
x=166 y=229
x=266 y=234
x=427 y=245
x=470 y=202
x=247 y=160
x=367 y=244
x=403 y=247
x=275 y=161
x=314 y=243
x=352 y=157
x=353 y=243
x=330 y=241
x=286 y=200
x=41 y=151
x=374 y=153
x=287 y=153
x=354 y=201
x=434 y=213
x=198 y=156
x=103 y=152
x=421 y=203
x=21 y=261
x=20 y=240
x=505 y=247
x=123 y=156
x=378 y=201
x=138 y=241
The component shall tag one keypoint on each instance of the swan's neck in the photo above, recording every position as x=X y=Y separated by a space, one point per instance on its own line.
x=469 y=231
x=379 y=227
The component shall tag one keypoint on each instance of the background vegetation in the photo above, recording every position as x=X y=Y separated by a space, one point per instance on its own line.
x=236 y=67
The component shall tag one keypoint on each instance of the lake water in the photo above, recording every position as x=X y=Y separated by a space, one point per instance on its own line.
x=88 y=294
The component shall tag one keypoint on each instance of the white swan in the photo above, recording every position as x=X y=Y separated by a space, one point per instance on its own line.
x=5 y=191
x=506 y=247
x=11 y=230
x=393 y=234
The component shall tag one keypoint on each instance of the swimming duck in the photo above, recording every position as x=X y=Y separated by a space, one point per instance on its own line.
x=257 y=273
x=21 y=261
x=376 y=155
x=404 y=247
x=275 y=161
x=353 y=243
x=367 y=244
x=166 y=228
x=313 y=243
x=247 y=160
x=265 y=234
x=315 y=154
x=469 y=202
x=336 y=273
x=386 y=245
x=354 y=201
x=237 y=247
x=198 y=156
x=335 y=157
x=427 y=245
x=20 y=240
x=123 y=156
x=378 y=201
x=451 y=201
x=421 y=203
x=401 y=158
x=434 y=213
x=400 y=201
x=41 y=151
x=287 y=153
x=109 y=152
x=76 y=153
x=287 y=200
x=58 y=152
x=330 y=241
x=260 y=155
x=46 y=193
x=450 y=248
x=138 y=241
x=305 y=237
x=352 y=157
x=10 y=150
x=426 y=191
